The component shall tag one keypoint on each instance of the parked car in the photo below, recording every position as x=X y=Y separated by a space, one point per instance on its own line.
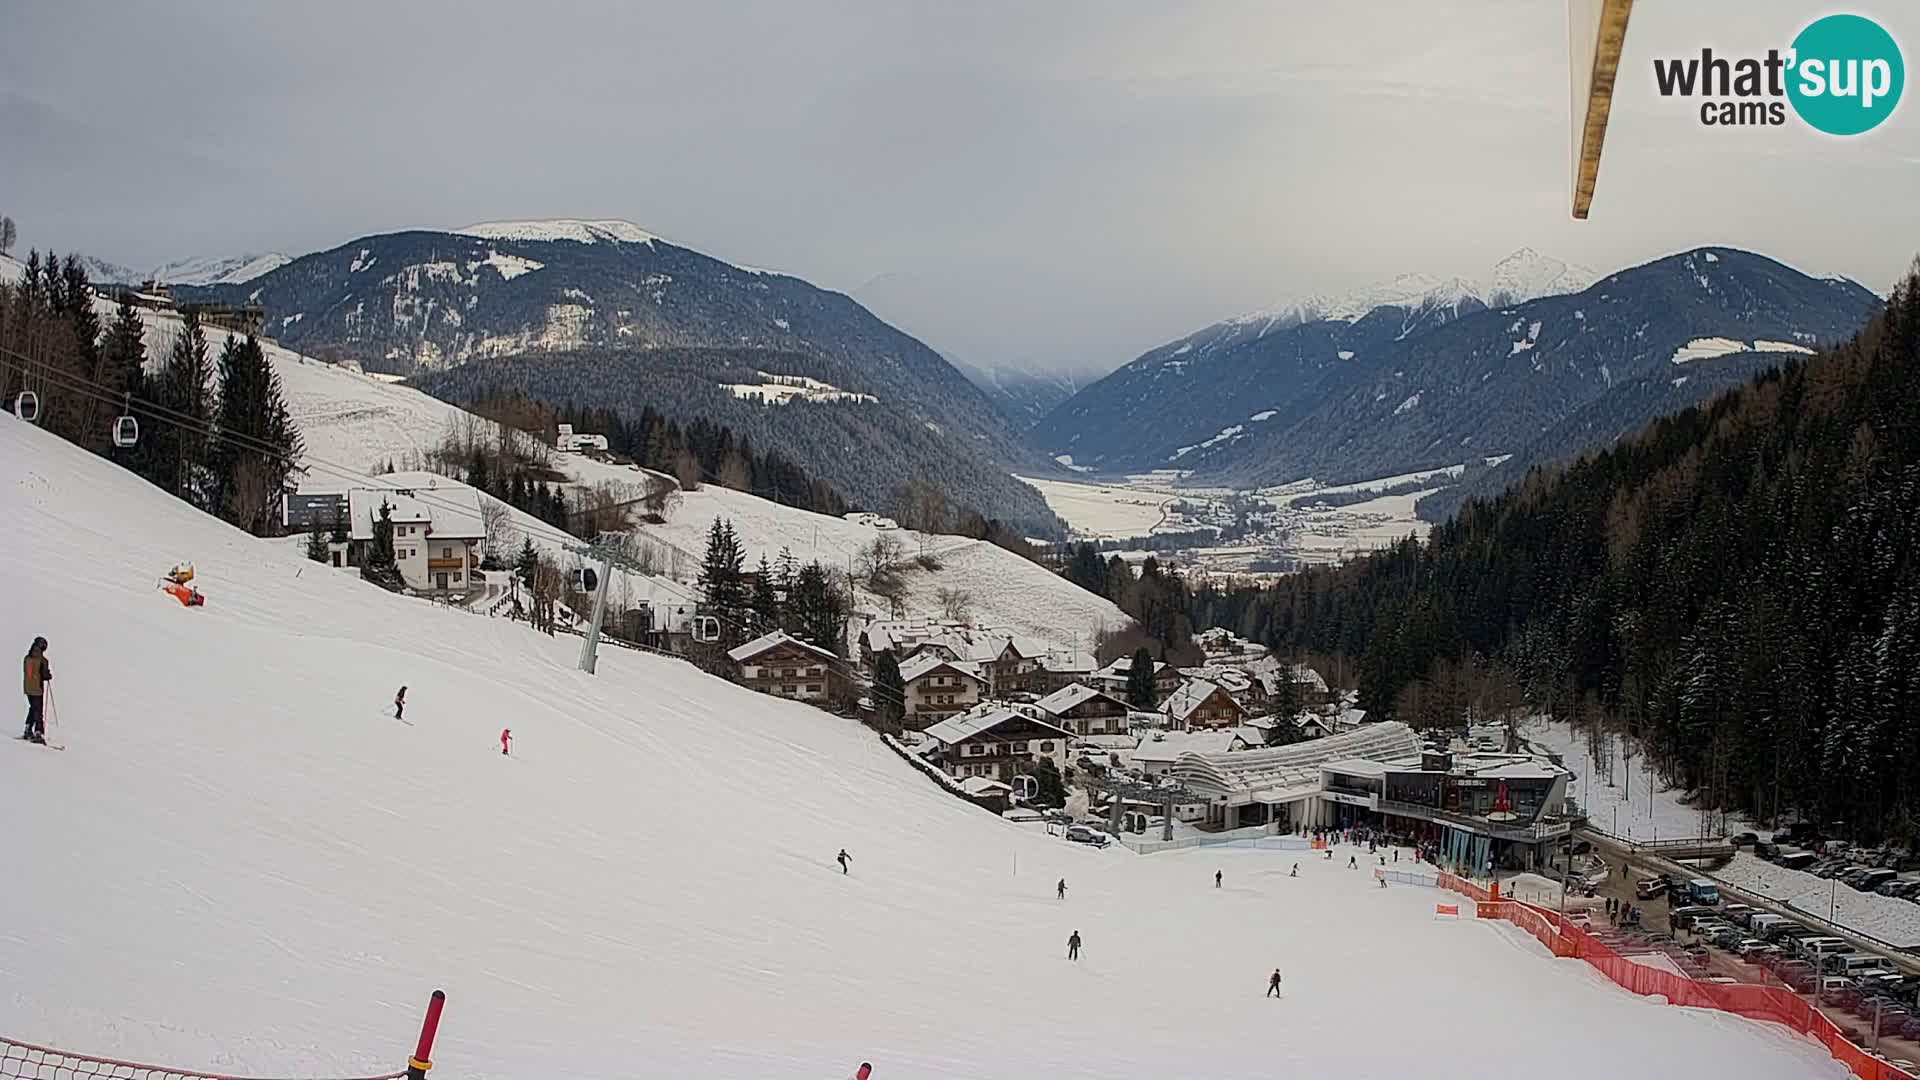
x=1648 y=888
x=1893 y=1021
x=1745 y=839
x=1874 y=878
x=1796 y=860
x=1704 y=891
x=1730 y=938
x=1739 y=914
x=1081 y=834
x=1749 y=949
x=1684 y=917
x=1838 y=992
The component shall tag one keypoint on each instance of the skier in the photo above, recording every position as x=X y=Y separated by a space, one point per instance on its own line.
x=1073 y=946
x=1273 y=984
x=1396 y=854
x=37 y=674
x=1296 y=870
x=865 y=1071
x=843 y=859
x=506 y=737
x=1329 y=854
x=1216 y=879
x=400 y=704
x=1353 y=863
x=1060 y=890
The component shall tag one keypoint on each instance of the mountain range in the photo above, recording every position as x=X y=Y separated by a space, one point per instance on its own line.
x=194 y=270
x=1535 y=361
x=640 y=321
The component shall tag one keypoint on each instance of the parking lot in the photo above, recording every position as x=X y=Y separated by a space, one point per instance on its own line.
x=1779 y=951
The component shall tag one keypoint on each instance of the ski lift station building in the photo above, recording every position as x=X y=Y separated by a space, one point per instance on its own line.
x=1471 y=806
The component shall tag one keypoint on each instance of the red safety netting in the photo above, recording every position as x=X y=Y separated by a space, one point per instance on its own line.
x=26 y=1061
x=1773 y=1004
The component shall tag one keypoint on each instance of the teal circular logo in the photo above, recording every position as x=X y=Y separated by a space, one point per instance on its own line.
x=1847 y=74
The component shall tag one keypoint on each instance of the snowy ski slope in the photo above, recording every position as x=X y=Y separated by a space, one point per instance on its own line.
x=241 y=862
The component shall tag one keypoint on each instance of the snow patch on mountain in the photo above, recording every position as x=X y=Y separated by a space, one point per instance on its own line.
x=569 y=229
x=509 y=266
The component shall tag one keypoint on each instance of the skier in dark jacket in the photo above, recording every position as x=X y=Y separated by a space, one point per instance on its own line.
x=1073 y=946
x=37 y=674
x=400 y=704
x=1060 y=890
x=843 y=859
x=1273 y=984
x=1216 y=879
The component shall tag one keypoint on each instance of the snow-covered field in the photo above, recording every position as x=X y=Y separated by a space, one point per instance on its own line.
x=1895 y=922
x=1103 y=511
x=1640 y=808
x=1007 y=592
x=241 y=862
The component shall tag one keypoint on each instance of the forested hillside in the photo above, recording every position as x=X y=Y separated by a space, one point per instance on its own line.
x=862 y=447
x=1739 y=585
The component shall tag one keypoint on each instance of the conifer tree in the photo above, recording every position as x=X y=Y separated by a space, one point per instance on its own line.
x=1140 y=688
x=257 y=444
x=182 y=388
x=889 y=691
x=379 y=566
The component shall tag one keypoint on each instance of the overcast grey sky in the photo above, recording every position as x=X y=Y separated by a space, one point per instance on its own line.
x=1033 y=183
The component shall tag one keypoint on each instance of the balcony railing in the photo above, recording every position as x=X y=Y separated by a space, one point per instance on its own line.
x=1539 y=830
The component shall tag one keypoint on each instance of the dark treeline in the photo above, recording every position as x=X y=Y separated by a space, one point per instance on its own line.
x=213 y=431
x=1157 y=598
x=695 y=453
x=1738 y=587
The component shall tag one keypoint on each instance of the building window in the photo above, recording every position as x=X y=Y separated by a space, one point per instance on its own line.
x=787 y=690
x=975 y=749
x=446 y=553
x=1019 y=748
x=813 y=688
x=1046 y=748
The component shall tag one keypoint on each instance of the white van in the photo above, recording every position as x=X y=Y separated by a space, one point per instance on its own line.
x=1763 y=923
x=1854 y=964
x=1813 y=948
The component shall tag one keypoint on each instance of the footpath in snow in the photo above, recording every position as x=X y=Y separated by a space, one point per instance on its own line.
x=243 y=863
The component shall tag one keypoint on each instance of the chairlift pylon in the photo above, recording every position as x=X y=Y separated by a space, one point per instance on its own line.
x=26 y=406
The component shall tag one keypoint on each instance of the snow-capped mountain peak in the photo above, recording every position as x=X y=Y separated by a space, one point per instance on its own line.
x=219 y=269
x=572 y=229
x=1524 y=275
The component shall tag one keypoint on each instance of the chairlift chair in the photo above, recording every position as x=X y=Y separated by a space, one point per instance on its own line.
x=26 y=406
x=706 y=628
x=126 y=431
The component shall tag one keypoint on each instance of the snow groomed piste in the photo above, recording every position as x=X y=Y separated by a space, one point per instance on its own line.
x=245 y=865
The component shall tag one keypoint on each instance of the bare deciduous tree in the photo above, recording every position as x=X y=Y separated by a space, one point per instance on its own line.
x=955 y=604
x=8 y=235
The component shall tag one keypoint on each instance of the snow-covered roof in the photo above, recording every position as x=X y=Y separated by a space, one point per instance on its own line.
x=926 y=663
x=1172 y=745
x=766 y=642
x=1286 y=768
x=1254 y=736
x=1107 y=742
x=980 y=785
x=449 y=508
x=955 y=729
x=1358 y=767
x=1350 y=718
x=1192 y=694
x=1074 y=694
x=1123 y=667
